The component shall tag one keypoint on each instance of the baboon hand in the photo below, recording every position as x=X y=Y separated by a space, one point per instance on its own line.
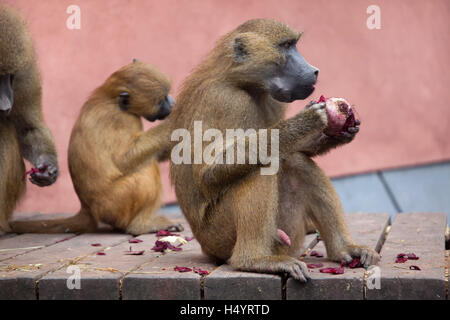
x=297 y=270
x=349 y=135
x=366 y=255
x=315 y=116
x=175 y=228
x=48 y=171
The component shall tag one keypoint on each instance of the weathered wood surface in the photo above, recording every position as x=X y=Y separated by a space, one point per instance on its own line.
x=423 y=235
x=35 y=266
x=366 y=229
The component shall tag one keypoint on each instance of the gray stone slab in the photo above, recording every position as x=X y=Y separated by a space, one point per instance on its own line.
x=366 y=229
x=19 y=276
x=100 y=276
x=225 y=283
x=363 y=193
x=157 y=280
x=14 y=246
x=423 y=235
x=421 y=189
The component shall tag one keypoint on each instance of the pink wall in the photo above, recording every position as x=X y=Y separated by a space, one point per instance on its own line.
x=398 y=76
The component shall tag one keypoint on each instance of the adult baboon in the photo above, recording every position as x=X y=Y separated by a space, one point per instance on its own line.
x=23 y=133
x=233 y=210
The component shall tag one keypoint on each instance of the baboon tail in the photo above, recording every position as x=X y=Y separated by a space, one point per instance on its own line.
x=80 y=223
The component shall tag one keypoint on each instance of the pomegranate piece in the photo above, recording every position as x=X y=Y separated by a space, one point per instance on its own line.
x=314 y=265
x=315 y=253
x=339 y=270
x=340 y=115
x=182 y=269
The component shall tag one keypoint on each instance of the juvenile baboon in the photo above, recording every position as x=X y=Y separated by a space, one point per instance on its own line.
x=112 y=161
x=23 y=133
x=233 y=210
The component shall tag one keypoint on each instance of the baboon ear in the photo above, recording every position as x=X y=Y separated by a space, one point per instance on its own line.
x=124 y=101
x=240 y=50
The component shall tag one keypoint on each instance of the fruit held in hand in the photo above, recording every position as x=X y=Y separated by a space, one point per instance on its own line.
x=340 y=115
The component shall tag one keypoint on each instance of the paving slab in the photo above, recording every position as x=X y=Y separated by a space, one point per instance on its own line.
x=19 y=275
x=157 y=280
x=366 y=229
x=423 y=235
x=17 y=245
x=421 y=189
x=364 y=193
x=101 y=275
x=225 y=283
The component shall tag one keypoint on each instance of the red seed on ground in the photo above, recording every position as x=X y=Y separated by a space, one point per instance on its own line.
x=134 y=240
x=96 y=244
x=200 y=271
x=356 y=263
x=101 y=253
x=332 y=270
x=401 y=260
x=314 y=265
x=182 y=269
x=316 y=254
x=161 y=246
x=412 y=256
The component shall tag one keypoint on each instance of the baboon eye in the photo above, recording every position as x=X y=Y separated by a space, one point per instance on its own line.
x=288 y=44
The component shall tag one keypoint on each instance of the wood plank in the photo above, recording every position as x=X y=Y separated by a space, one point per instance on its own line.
x=19 y=276
x=224 y=283
x=366 y=229
x=20 y=244
x=423 y=235
x=100 y=276
x=157 y=279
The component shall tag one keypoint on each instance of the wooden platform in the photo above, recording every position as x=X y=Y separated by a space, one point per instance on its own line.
x=35 y=266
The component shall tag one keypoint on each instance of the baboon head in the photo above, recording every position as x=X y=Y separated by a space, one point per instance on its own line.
x=265 y=55
x=142 y=90
x=16 y=53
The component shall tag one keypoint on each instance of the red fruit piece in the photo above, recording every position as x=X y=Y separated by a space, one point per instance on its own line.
x=401 y=260
x=412 y=256
x=134 y=240
x=101 y=253
x=200 y=271
x=161 y=246
x=314 y=265
x=182 y=269
x=316 y=254
x=356 y=263
x=188 y=238
x=332 y=270
x=35 y=170
x=96 y=244
x=340 y=115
